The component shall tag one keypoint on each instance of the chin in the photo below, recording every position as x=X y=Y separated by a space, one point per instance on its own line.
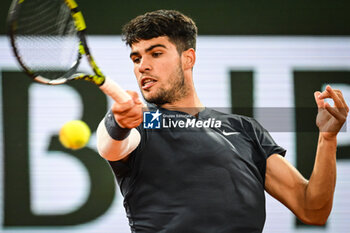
x=146 y=96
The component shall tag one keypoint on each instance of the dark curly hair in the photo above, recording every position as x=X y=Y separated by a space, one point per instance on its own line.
x=179 y=28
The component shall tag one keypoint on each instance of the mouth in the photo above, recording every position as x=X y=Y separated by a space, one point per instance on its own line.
x=147 y=82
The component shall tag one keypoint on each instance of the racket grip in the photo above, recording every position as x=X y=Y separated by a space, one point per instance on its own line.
x=112 y=89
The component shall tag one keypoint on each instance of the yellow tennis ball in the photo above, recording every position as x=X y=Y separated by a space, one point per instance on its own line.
x=74 y=134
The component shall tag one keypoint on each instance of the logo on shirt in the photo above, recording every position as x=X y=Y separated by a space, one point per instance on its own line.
x=229 y=133
x=152 y=120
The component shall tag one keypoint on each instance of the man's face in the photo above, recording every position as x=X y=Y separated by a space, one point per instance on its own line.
x=158 y=70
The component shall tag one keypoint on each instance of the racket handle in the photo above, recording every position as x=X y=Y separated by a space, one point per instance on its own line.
x=112 y=89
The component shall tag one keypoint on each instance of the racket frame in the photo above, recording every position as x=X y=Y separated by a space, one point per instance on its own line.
x=107 y=85
x=98 y=78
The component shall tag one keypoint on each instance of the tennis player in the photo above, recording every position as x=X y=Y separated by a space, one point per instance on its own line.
x=203 y=170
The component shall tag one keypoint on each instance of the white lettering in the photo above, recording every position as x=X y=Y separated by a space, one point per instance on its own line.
x=199 y=124
x=190 y=123
x=181 y=124
x=164 y=124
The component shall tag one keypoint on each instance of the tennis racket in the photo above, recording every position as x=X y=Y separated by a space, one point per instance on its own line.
x=48 y=38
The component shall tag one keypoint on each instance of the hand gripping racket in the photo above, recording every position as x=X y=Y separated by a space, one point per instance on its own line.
x=48 y=38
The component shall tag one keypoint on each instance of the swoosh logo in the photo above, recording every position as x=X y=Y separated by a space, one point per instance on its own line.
x=229 y=133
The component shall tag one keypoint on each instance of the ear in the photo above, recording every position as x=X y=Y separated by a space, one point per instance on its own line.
x=188 y=58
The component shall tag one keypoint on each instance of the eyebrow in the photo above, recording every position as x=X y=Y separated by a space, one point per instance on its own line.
x=148 y=49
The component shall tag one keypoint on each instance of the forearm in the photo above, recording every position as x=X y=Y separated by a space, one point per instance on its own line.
x=112 y=149
x=320 y=188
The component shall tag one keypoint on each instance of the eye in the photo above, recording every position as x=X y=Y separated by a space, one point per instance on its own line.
x=156 y=54
x=136 y=60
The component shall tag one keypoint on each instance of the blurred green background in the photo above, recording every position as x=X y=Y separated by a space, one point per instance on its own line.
x=223 y=17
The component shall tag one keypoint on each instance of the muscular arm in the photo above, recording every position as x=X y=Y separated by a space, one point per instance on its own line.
x=311 y=201
x=121 y=137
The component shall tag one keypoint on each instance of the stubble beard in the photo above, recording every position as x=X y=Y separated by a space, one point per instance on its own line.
x=177 y=90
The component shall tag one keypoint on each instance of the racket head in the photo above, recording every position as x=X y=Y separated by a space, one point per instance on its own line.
x=48 y=40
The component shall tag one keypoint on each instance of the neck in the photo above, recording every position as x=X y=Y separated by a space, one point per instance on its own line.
x=189 y=104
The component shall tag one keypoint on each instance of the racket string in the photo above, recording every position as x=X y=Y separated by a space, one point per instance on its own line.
x=46 y=38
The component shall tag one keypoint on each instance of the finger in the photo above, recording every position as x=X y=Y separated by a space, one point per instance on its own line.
x=335 y=113
x=135 y=113
x=334 y=96
x=340 y=104
x=129 y=122
x=135 y=96
x=341 y=97
x=319 y=102
x=138 y=101
x=326 y=94
x=137 y=122
x=121 y=108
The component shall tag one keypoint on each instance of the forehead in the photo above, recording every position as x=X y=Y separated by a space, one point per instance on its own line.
x=143 y=45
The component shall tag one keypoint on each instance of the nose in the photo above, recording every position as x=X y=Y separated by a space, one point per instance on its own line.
x=144 y=66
